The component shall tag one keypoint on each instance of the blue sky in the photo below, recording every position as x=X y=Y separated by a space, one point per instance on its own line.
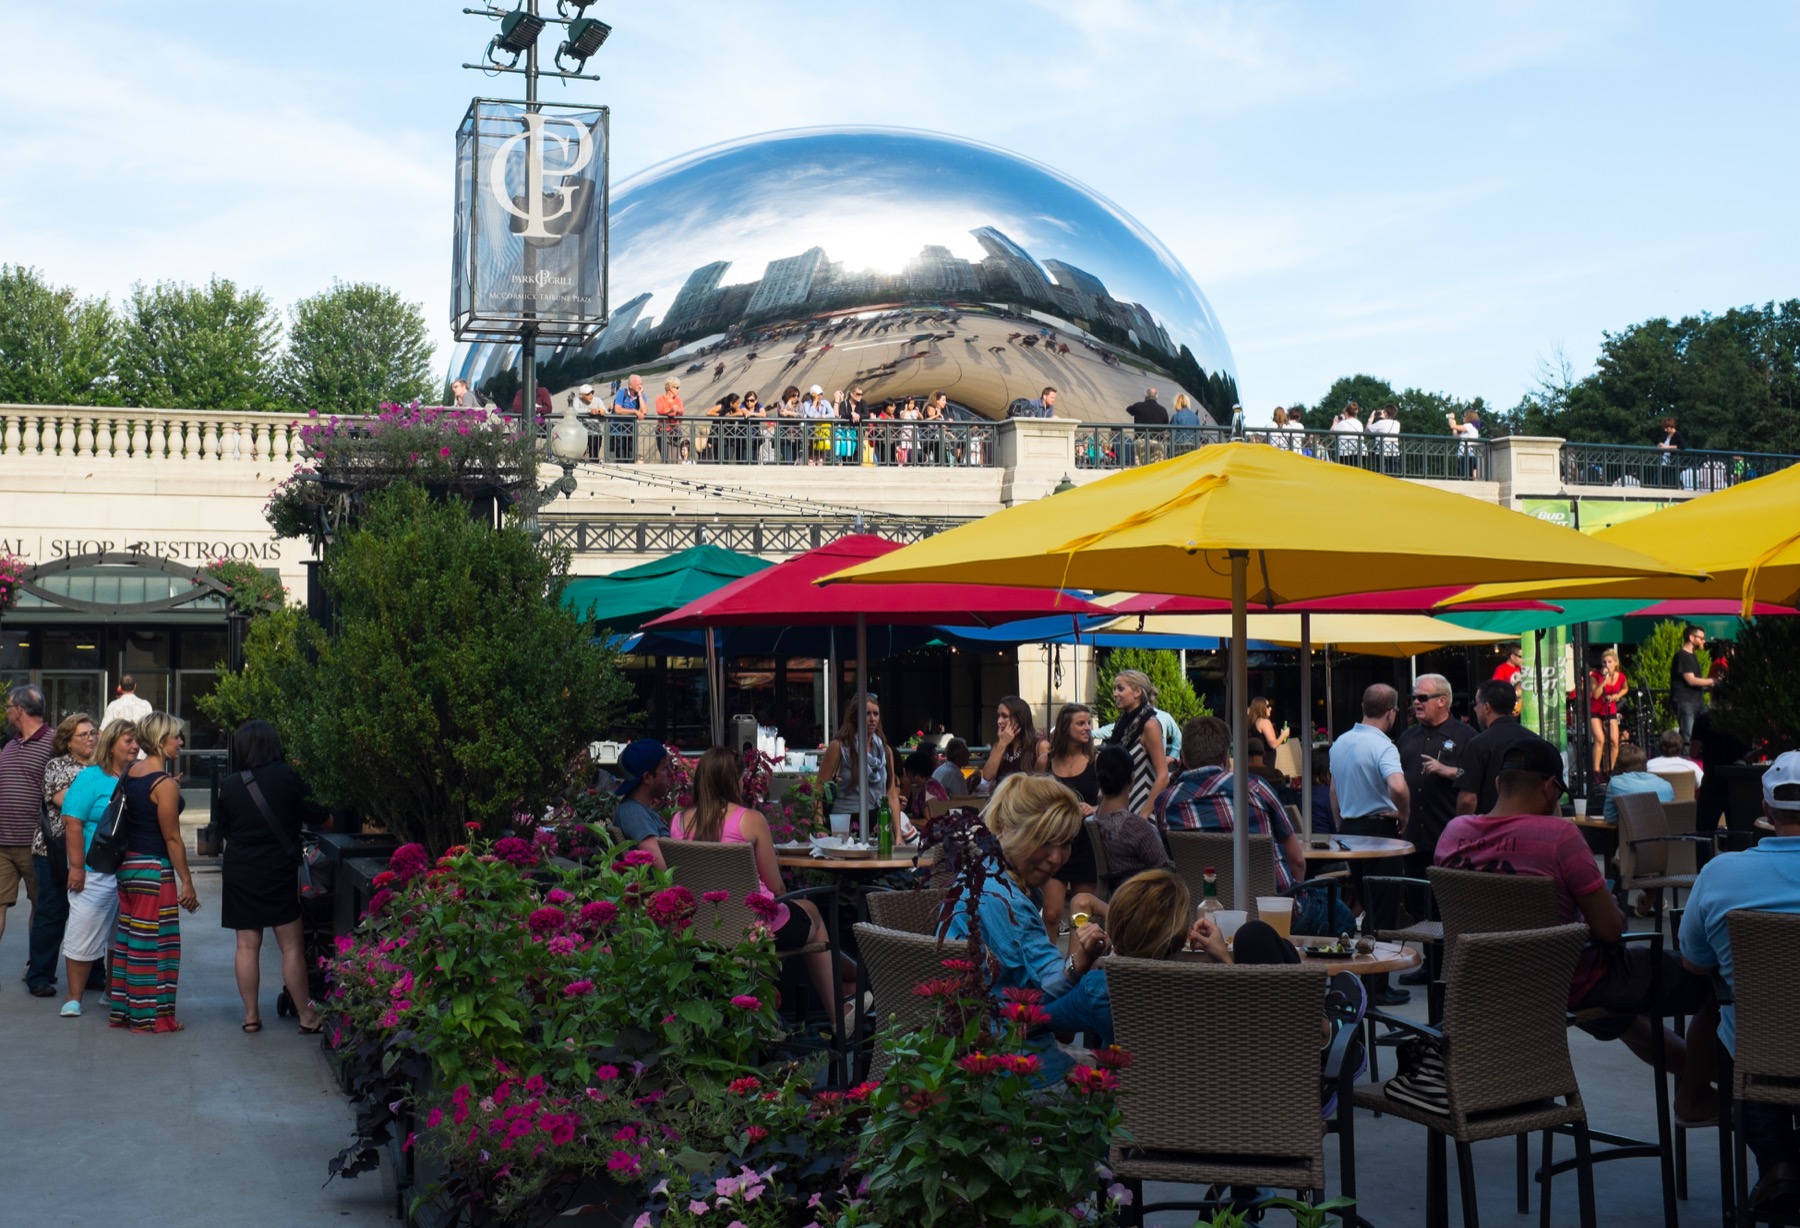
x=1443 y=196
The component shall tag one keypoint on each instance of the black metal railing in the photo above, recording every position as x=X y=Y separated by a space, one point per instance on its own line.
x=707 y=440
x=1686 y=469
x=1114 y=446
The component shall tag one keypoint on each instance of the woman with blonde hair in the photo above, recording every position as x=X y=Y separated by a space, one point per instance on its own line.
x=1034 y=819
x=1606 y=686
x=1139 y=732
x=719 y=816
x=1017 y=746
x=668 y=422
x=154 y=883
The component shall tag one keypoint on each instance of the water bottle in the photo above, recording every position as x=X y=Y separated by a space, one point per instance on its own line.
x=884 y=828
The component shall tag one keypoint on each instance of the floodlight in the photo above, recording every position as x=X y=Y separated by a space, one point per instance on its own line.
x=586 y=34
x=519 y=32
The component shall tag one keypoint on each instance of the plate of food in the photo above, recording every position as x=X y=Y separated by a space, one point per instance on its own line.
x=794 y=846
x=1334 y=948
x=843 y=848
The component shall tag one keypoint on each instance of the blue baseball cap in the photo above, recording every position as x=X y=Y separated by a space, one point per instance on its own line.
x=637 y=761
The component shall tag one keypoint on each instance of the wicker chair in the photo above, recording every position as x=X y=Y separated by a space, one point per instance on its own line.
x=1195 y=850
x=1653 y=854
x=895 y=962
x=701 y=867
x=1682 y=782
x=1506 y=1059
x=1766 y=1066
x=913 y=912
x=1478 y=902
x=1102 y=869
x=1209 y=1117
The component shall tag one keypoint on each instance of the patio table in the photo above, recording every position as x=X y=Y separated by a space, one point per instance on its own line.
x=1387 y=957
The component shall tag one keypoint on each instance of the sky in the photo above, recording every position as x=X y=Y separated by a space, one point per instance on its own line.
x=1449 y=197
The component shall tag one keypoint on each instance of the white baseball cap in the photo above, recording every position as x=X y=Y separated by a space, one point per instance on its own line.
x=1783 y=776
x=816 y=390
x=587 y=390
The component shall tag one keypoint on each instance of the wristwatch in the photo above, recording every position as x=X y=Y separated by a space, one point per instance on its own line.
x=1069 y=968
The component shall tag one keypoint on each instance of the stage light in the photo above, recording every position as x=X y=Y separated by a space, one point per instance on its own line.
x=519 y=32
x=586 y=34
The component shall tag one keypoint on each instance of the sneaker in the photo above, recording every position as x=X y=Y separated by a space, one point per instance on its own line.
x=1421 y=1083
x=71 y=1009
x=44 y=991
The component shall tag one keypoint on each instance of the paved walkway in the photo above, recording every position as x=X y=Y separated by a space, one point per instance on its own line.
x=204 y=1127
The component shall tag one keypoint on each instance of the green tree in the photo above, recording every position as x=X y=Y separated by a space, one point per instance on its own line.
x=1767 y=653
x=452 y=687
x=1174 y=693
x=1651 y=665
x=1419 y=412
x=356 y=346
x=55 y=348
x=198 y=347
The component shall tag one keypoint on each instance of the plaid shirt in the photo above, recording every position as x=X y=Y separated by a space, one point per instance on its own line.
x=1200 y=800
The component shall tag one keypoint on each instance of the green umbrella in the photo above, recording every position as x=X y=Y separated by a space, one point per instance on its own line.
x=1519 y=622
x=630 y=598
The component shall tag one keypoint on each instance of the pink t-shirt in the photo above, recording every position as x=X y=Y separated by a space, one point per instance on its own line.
x=1545 y=845
x=732 y=832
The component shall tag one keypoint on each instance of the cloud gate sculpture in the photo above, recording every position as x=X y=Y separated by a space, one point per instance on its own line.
x=906 y=262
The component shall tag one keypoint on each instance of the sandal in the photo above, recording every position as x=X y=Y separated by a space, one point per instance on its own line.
x=252 y=1025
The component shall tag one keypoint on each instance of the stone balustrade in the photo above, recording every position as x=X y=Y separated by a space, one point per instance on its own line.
x=177 y=435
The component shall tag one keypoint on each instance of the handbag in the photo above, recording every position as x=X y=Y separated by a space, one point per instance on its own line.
x=310 y=879
x=106 y=852
x=208 y=842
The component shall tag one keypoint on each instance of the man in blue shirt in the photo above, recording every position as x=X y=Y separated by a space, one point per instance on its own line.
x=1043 y=407
x=644 y=780
x=1765 y=878
x=1631 y=776
x=1370 y=797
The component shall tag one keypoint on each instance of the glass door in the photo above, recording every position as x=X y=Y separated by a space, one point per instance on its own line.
x=67 y=691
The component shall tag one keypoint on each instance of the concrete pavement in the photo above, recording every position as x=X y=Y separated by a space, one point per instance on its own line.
x=204 y=1127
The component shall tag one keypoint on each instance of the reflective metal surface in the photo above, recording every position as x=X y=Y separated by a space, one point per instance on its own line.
x=906 y=262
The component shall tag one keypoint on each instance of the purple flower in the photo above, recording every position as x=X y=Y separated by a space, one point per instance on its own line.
x=562 y=944
x=578 y=989
x=548 y=920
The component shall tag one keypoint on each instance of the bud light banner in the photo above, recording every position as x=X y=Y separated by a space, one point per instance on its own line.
x=530 y=245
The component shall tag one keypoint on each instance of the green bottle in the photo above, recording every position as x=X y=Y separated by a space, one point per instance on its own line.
x=884 y=828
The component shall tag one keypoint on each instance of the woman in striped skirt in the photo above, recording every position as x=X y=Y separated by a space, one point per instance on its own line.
x=147 y=943
x=1139 y=732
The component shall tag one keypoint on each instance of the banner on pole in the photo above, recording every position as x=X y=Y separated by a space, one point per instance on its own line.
x=530 y=232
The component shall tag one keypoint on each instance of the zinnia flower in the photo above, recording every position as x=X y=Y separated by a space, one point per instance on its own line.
x=597 y=914
x=408 y=862
x=578 y=989
x=672 y=908
x=1113 y=1058
x=716 y=897
x=558 y=896
x=745 y=1002
x=547 y=920
x=515 y=850
x=762 y=904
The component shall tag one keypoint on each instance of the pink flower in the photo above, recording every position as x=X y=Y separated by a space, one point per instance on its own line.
x=637 y=859
x=515 y=850
x=598 y=914
x=408 y=862
x=762 y=904
x=434 y=1119
x=716 y=897
x=547 y=920
x=558 y=896
x=745 y=1002
x=578 y=989
x=444 y=452
x=671 y=908
x=696 y=1207
x=623 y=1162
x=607 y=1073
x=472 y=826
x=562 y=944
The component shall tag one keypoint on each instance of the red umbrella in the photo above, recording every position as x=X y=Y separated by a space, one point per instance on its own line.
x=787 y=595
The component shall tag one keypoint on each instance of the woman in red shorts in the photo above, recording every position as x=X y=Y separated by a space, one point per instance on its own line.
x=1606 y=686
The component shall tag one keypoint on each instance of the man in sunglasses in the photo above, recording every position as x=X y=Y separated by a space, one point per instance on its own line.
x=1430 y=753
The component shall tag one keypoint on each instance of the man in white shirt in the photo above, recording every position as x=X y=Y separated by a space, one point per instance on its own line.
x=1670 y=759
x=127 y=707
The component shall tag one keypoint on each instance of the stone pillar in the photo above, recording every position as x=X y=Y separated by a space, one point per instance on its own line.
x=1524 y=466
x=1036 y=454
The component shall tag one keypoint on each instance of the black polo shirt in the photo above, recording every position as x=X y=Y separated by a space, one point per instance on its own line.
x=1481 y=760
x=1433 y=797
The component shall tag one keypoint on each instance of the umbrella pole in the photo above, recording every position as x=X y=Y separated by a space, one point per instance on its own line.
x=1306 y=727
x=717 y=700
x=1329 y=733
x=1240 y=733
x=1537 y=669
x=862 y=725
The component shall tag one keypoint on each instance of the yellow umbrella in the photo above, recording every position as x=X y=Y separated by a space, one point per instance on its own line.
x=1381 y=635
x=1746 y=538
x=1216 y=520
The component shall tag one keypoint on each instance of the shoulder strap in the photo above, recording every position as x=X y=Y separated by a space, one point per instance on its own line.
x=262 y=804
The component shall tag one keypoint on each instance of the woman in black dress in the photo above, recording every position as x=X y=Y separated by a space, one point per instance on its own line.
x=262 y=864
x=1072 y=762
